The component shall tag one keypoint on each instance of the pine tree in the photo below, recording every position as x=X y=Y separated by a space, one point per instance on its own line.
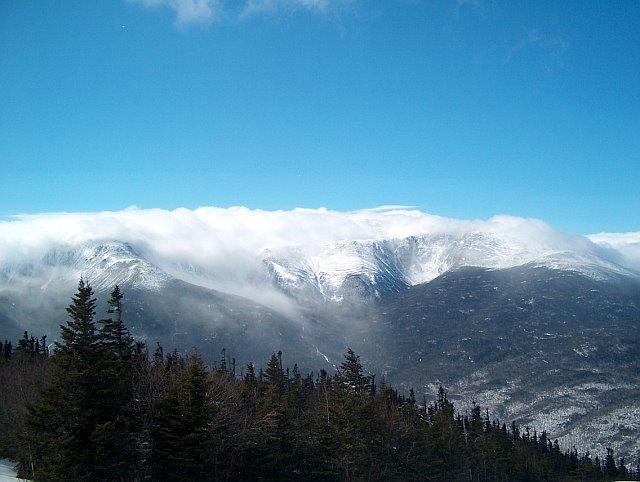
x=116 y=425
x=57 y=444
x=80 y=429
x=114 y=334
x=352 y=432
x=270 y=410
x=180 y=432
x=7 y=350
x=610 y=469
x=350 y=375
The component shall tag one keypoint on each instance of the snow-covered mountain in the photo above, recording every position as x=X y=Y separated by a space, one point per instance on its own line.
x=104 y=264
x=309 y=255
x=504 y=309
x=351 y=268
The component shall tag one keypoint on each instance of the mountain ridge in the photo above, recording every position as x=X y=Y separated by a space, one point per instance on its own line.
x=539 y=325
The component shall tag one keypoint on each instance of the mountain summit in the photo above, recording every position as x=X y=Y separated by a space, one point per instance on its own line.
x=540 y=325
x=306 y=254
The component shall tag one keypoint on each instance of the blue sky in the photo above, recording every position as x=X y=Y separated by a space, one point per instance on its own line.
x=465 y=109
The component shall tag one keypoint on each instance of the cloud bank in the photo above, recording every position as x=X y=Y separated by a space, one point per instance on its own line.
x=224 y=249
x=212 y=235
x=627 y=244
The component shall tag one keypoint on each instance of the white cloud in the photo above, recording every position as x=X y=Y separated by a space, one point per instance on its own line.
x=212 y=235
x=476 y=5
x=628 y=244
x=188 y=11
x=224 y=248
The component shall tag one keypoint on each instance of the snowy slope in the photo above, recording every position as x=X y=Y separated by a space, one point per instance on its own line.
x=329 y=269
x=307 y=254
x=110 y=264
x=103 y=264
x=390 y=265
x=285 y=265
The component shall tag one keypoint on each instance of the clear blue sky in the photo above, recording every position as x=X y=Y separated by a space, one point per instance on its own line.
x=464 y=109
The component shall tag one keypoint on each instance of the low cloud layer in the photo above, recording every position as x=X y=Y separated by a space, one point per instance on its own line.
x=212 y=236
x=224 y=249
x=627 y=244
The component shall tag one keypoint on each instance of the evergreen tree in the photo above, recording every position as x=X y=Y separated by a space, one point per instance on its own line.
x=7 y=350
x=201 y=425
x=351 y=432
x=116 y=424
x=114 y=334
x=180 y=432
x=351 y=375
x=610 y=469
x=268 y=453
x=79 y=429
x=274 y=374
x=58 y=441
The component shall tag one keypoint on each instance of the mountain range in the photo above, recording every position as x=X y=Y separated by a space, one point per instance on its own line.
x=539 y=325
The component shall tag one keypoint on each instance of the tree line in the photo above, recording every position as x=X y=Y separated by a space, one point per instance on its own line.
x=101 y=407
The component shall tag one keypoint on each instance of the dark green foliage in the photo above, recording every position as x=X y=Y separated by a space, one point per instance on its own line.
x=116 y=424
x=610 y=468
x=79 y=428
x=180 y=430
x=59 y=428
x=350 y=376
x=114 y=335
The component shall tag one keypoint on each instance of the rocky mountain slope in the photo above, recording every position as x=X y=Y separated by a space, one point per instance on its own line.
x=540 y=326
x=553 y=349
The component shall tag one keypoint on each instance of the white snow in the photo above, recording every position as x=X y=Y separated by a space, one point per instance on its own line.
x=419 y=259
x=303 y=249
x=7 y=474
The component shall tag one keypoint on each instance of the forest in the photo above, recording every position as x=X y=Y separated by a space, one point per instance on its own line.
x=101 y=406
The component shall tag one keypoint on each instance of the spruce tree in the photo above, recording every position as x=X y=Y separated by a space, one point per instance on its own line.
x=610 y=469
x=7 y=350
x=57 y=443
x=268 y=451
x=79 y=429
x=180 y=432
x=114 y=334
x=351 y=430
x=350 y=374
x=116 y=425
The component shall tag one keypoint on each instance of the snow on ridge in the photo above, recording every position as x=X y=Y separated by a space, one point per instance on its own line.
x=326 y=267
x=316 y=247
x=419 y=259
x=103 y=265
x=108 y=264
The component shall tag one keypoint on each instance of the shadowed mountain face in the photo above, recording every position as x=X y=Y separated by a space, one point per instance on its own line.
x=187 y=317
x=553 y=343
x=553 y=349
